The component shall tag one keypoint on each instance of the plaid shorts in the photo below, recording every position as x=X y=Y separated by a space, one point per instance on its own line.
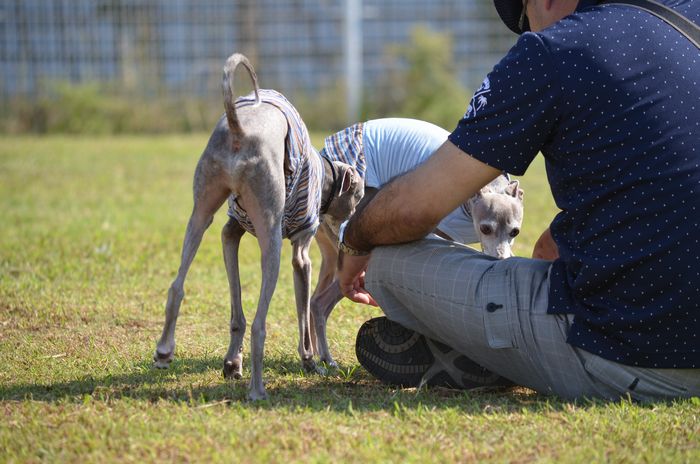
x=495 y=312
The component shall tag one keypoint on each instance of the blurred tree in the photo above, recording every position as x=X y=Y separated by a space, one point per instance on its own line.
x=422 y=83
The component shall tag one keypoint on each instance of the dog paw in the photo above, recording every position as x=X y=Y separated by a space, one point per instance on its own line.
x=309 y=365
x=320 y=370
x=330 y=364
x=257 y=395
x=162 y=361
x=326 y=368
x=232 y=370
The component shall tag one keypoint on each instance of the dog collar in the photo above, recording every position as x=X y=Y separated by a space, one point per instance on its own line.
x=334 y=187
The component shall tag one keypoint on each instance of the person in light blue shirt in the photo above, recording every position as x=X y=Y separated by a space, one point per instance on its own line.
x=382 y=149
x=393 y=146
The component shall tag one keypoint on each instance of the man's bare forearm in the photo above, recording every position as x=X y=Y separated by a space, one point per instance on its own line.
x=411 y=206
x=383 y=220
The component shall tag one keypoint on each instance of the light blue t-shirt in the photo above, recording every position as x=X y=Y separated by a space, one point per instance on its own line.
x=394 y=146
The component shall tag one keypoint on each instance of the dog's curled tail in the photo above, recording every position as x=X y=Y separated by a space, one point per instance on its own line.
x=229 y=104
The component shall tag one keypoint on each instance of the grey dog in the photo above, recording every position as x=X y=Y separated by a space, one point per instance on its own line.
x=247 y=161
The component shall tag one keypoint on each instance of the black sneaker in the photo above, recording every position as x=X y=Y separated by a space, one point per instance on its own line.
x=399 y=356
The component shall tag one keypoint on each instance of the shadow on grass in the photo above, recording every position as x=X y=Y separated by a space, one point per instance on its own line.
x=192 y=381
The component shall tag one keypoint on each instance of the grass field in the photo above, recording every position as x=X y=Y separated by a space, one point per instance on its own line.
x=89 y=243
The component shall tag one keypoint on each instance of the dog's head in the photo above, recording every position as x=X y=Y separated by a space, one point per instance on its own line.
x=498 y=216
x=347 y=194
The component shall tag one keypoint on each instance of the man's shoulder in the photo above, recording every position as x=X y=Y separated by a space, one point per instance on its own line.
x=596 y=24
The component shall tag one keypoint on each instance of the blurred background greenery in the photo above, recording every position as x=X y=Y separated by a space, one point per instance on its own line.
x=425 y=87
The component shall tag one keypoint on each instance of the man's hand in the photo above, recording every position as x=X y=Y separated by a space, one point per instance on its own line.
x=351 y=277
x=546 y=248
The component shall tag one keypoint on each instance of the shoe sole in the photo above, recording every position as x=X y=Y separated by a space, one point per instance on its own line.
x=399 y=356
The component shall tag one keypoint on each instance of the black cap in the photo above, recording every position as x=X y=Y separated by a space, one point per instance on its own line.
x=510 y=11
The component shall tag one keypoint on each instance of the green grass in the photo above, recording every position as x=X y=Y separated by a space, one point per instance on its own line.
x=89 y=242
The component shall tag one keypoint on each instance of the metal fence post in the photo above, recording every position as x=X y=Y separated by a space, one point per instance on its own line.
x=353 y=58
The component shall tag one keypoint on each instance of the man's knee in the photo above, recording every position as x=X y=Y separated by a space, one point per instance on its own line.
x=401 y=264
x=377 y=269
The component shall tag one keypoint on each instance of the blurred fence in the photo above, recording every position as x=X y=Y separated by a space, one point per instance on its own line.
x=177 y=47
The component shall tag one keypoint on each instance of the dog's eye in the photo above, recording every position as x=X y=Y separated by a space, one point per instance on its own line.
x=514 y=233
x=486 y=230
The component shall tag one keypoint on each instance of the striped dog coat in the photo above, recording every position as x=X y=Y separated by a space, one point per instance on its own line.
x=303 y=171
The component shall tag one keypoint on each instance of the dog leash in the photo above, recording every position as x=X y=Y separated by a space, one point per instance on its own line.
x=679 y=22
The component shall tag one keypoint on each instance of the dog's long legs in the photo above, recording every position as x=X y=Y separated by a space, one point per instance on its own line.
x=267 y=221
x=301 y=263
x=271 y=249
x=207 y=199
x=322 y=306
x=230 y=238
x=329 y=255
x=326 y=295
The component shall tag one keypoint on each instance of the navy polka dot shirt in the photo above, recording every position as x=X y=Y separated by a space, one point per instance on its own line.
x=611 y=96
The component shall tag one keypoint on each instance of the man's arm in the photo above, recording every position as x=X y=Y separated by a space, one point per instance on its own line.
x=410 y=207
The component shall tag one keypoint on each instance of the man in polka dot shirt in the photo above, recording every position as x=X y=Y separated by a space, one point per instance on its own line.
x=610 y=95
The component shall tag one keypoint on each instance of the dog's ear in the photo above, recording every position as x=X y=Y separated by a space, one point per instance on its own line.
x=514 y=191
x=476 y=198
x=347 y=179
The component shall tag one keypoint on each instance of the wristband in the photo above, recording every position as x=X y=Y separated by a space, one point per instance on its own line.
x=344 y=247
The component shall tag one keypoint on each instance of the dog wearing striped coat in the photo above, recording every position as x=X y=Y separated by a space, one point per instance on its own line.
x=260 y=158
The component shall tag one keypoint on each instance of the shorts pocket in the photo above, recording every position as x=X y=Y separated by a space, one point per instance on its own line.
x=663 y=383
x=498 y=331
x=609 y=374
x=498 y=310
x=640 y=384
